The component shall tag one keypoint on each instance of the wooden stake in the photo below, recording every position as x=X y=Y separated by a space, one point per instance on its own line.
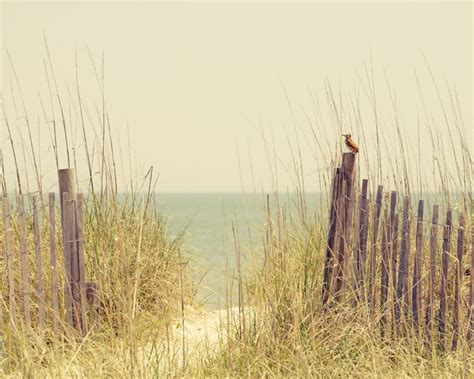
x=54 y=269
x=24 y=262
x=80 y=260
x=403 y=264
x=470 y=327
x=68 y=236
x=39 y=264
x=385 y=271
x=432 y=276
x=362 y=238
x=373 y=251
x=444 y=276
x=417 y=269
x=330 y=248
x=458 y=282
x=9 y=256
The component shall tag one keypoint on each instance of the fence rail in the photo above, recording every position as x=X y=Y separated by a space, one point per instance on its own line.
x=417 y=280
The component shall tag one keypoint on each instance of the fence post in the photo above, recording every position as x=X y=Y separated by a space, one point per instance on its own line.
x=347 y=168
x=67 y=187
x=67 y=184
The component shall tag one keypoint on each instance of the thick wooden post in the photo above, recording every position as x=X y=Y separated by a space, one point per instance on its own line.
x=347 y=170
x=67 y=184
x=68 y=195
x=71 y=246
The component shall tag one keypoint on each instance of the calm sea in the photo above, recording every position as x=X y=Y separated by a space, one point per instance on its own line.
x=208 y=220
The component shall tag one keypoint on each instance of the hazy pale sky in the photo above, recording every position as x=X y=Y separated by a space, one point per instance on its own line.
x=197 y=83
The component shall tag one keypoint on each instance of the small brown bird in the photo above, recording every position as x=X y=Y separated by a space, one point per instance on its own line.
x=351 y=145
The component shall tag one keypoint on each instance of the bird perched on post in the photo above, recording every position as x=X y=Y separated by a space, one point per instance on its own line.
x=351 y=145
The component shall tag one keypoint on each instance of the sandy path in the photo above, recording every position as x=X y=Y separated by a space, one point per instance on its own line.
x=203 y=328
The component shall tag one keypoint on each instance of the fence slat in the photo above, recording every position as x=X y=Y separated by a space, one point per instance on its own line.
x=9 y=256
x=444 y=276
x=80 y=260
x=458 y=281
x=417 y=269
x=67 y=237
x=432 y=276
x=403 y=264
x=394 y=269
x=362 y=239
x=470 y=317
x=384 y=278
x=54 y=268
x=24 y=262
x=391 y=239
x=39 y=264
x=392 y=251
x=373 y=251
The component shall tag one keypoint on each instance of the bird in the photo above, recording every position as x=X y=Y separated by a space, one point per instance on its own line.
x=351 y=145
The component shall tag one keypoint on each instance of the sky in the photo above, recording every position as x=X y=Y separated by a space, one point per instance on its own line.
x=208 y=91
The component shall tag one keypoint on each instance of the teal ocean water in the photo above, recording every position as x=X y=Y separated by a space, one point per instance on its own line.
x=208 y=219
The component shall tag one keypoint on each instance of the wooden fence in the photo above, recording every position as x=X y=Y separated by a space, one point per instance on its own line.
x=44 y=284
x=415 y=277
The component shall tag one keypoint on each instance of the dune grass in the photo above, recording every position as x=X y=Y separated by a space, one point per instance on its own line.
x=281 y=328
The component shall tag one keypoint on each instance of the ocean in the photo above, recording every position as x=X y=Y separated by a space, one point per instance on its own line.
x=208 y=219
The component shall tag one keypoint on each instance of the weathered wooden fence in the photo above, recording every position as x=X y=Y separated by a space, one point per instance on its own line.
x=44 y=285
x=414 y=278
